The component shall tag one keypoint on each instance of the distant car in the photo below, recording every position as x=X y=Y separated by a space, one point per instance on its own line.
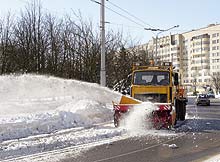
x=211 y=95
x=203 y=99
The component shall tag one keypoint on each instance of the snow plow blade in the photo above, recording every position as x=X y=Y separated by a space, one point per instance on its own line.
x=162 y=117
x=125 y=104
x=129 y=100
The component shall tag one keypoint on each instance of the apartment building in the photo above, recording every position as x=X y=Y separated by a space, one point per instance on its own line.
x=195 y=54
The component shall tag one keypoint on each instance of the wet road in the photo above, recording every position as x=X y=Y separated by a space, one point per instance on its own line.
x=197 y=139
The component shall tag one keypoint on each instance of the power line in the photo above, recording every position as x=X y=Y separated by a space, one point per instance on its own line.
x=125 y=17
x=129 y=26
x=130 y=14
x=120 y=14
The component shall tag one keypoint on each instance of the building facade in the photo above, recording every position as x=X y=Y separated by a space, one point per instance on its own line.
x=195 y=54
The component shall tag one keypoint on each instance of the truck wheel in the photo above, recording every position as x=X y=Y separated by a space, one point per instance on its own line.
x=177 y=109
x=182 y=110
x=116 y=119
x=157 y=124
x=182 y=117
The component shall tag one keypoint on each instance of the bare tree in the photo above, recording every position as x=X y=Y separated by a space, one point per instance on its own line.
x=69 y=47
x=30 y=38
x=53 y=33
x=216 y=81
x=7 y=46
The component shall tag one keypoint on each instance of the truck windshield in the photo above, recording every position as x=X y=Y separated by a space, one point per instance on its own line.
x=151 y=78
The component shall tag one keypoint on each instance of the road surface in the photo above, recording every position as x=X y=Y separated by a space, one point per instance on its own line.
x=197 y=139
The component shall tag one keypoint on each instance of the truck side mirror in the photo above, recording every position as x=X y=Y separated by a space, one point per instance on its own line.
x=176 y=79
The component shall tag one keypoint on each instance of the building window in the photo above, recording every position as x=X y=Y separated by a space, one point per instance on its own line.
x=185 y=41
x=215 y=48
x=205 y=42
x=214 y=35
x=215 y=54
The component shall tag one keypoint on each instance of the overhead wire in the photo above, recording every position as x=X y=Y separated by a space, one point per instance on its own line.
x=139 y=24
x=129 y=26
x=124 y=16
x=130 y=14
x=142 y=24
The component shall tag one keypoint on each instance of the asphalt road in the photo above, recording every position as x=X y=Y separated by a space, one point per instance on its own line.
x=196 y=139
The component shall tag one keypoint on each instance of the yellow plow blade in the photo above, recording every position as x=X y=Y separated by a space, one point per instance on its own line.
x=129 y=100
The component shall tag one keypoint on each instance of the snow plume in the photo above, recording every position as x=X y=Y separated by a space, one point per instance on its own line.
x=138 y=121
x=33 y=104
x=37 y=87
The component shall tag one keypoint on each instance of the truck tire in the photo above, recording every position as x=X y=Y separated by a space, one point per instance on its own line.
x=182 y=110
x=116 y=119
x=176 y=104
x=180 y=107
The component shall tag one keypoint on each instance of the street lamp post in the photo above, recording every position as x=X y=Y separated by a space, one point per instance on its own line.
x=102 y=41
x=195 y=83
x=160 y=31
x=102 y=26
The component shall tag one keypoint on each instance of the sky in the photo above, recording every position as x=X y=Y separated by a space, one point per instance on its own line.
x=161 y=14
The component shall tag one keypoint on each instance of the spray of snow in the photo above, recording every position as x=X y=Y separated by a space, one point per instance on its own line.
x=138 y=121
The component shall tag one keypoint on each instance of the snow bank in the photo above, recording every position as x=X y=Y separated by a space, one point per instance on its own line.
x=215 y=158
x=33 y=104
x=46 y=88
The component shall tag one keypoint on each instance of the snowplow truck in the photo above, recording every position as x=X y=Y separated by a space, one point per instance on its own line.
x=158 y=84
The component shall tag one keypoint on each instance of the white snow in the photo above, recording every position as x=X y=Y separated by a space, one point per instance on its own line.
x=43 y=113
x=217 y=95
x=172 y=146
x=215 y=158
x=138 y=121
x=31 y=105
x=43 y=110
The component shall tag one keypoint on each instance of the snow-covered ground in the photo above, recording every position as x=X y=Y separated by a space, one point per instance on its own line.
x=39 y=114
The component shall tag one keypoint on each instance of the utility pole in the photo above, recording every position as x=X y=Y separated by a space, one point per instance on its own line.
x=156 y=47
x=201 y=51
x=102 y=39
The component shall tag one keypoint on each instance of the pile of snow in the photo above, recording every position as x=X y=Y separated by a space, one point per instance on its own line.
x=215 y=158
x=33 y=104
x=217 y=96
